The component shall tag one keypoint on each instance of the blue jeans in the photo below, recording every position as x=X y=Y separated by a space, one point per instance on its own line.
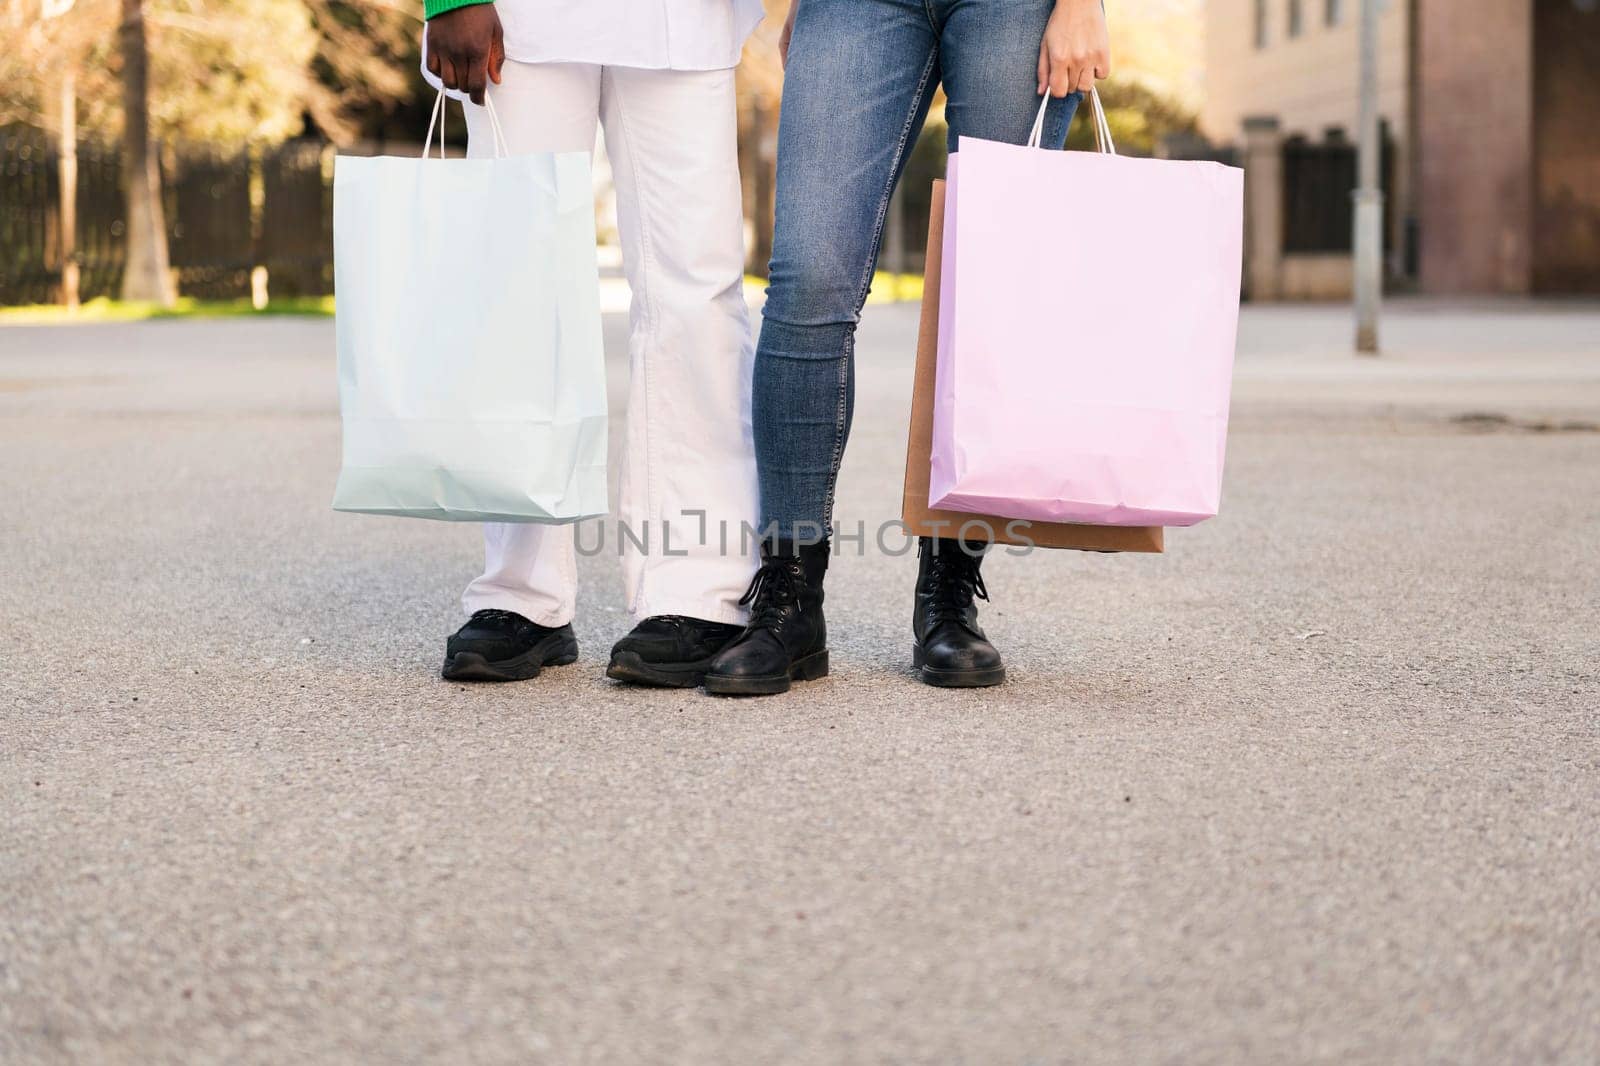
x=860 y=77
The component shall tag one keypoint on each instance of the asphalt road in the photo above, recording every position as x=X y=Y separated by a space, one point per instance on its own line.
x=1318 y=785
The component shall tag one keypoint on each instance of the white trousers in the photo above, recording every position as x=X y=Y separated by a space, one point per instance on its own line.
x=688 y=475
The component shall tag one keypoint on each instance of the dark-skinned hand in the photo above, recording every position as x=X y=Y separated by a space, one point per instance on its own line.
x=466 y=49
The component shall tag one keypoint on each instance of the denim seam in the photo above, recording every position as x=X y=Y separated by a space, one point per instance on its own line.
x=837 y=458
x=647 y=301
x=866 y=285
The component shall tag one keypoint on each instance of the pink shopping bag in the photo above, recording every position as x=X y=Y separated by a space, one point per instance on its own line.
x=1087 y=324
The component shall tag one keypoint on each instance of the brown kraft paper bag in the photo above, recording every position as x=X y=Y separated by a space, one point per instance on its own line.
x=922 y=520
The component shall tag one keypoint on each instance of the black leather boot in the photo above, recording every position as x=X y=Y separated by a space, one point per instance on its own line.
x=787 y=639
x=950 y=649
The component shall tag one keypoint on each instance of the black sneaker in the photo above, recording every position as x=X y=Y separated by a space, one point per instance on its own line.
x=670 y=650
x=504 y=646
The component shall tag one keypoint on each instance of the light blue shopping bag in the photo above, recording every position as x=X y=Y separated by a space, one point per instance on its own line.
x=471 y=369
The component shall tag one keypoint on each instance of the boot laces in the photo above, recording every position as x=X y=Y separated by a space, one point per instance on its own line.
x=957 y=580
x=773 y=589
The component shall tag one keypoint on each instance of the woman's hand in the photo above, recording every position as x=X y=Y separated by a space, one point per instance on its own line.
x=788 y=32
x=467 y=49
x=1076 y=48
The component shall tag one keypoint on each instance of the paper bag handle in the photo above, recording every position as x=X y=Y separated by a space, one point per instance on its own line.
x=1102 y=129
x=434 y=119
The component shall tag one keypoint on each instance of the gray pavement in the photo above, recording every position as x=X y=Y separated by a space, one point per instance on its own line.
x=1318 y=785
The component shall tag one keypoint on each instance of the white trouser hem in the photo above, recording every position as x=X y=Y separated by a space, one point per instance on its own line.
x=505 y=601
x=706 y=611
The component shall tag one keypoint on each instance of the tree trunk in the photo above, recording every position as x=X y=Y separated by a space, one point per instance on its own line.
x=147 y=276
x=67 y=174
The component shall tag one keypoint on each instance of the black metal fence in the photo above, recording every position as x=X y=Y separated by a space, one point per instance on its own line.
x=30 y=235
x=227 y=213
x=296 y=239
x=1318 y=182
x=230 y=212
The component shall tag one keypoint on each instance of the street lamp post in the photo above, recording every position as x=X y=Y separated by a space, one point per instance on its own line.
x=1369 y=196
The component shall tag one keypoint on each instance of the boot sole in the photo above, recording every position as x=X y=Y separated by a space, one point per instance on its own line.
x=809 y=668
x=932 y=675
x=627 y=666
x=470 y=666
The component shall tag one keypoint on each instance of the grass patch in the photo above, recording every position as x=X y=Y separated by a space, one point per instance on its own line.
x=890 y=288
x=887 y=288
x=105 y=310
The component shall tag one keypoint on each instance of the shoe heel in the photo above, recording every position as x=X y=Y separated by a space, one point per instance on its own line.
x=811 y=667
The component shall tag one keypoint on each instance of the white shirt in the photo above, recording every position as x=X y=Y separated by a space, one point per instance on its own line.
x=652 y=34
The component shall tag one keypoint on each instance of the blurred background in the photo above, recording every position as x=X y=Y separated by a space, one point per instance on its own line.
x=1490 y=156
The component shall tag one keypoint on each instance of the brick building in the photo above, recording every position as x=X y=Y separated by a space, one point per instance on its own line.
x=1492 y=161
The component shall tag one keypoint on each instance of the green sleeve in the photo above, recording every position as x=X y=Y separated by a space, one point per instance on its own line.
x=431 y=8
